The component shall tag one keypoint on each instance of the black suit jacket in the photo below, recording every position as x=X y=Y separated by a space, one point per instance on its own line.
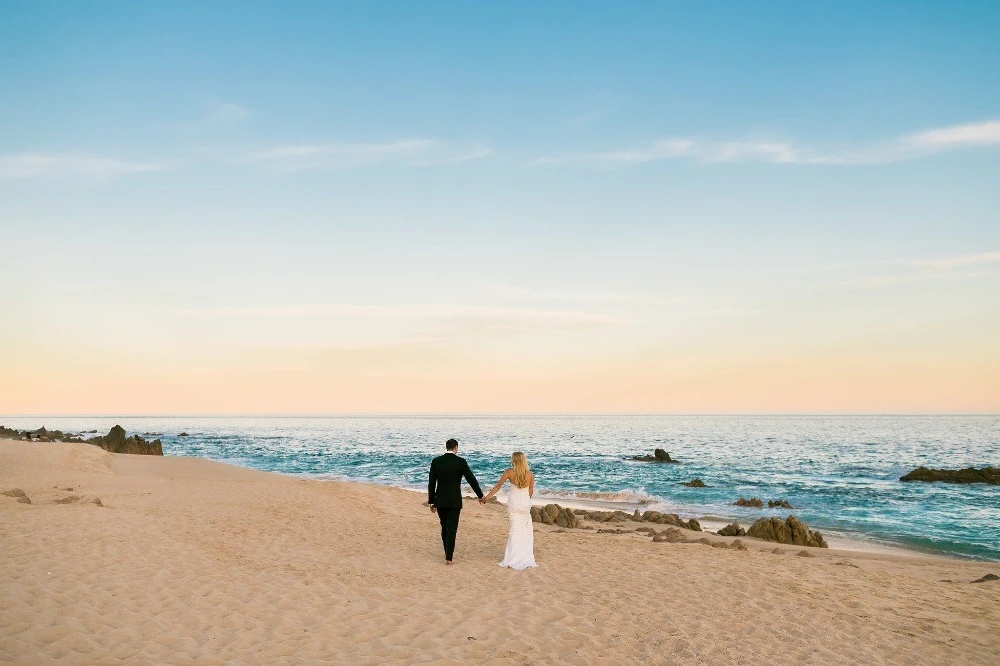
x=445 y=487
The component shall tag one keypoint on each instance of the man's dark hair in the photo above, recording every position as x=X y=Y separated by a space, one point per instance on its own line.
x=451 y=444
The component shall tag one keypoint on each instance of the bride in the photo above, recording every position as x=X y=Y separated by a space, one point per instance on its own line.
x=520 y=553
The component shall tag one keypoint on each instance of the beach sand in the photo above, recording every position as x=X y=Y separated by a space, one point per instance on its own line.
x=192 y=561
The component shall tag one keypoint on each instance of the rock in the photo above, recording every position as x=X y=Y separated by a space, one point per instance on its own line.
x=753 y=502
x=23 y=500
x=116 y=442
x=183 y=434
x=659 y=456
x=804 y=553
x=777 y=551
x=69 y=499
x=14 y=492
x=989 y=475
x=670 y=519
x=95 y=500
x=732 y=530
x=987 y=577
x=553 y=514
x=614 y=531
x=669 y=535
x=648 y=530
x=790 y=531
x=738 y=545
x=780 y=503
x=694 y=483
x=636 y=516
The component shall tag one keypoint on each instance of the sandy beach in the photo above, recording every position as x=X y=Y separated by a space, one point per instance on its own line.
x=191 y=561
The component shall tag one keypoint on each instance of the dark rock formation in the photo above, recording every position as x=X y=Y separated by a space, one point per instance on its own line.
x=553 y=514
x=753 y=502
x=116 y=442
x=183 y=434
x=791 y=531
x=614 y=531
x=732 y=530
x=986 y=578
x=804 y=553
x=989 y=475
x=670 y=519
x=659 y=456
x=694 y=483
x=781 y=503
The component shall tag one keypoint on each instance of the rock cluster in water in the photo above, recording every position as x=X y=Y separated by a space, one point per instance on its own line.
x=116 y=442
x=782 y=503
x=791 y=531
x=659 y=456
x=753 y=502
x=989 y=475
x=694 y=483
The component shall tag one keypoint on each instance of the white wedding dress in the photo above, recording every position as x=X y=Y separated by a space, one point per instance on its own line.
x=520 y=553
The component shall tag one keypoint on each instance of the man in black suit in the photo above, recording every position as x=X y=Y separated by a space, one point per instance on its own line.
x=444 y=493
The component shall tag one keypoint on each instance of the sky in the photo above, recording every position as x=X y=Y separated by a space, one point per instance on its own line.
x=664 y=207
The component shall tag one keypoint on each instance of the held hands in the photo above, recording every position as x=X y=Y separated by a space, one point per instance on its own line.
x=433 y=509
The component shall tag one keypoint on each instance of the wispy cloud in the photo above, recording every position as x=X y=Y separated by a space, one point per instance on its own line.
x=587 y=118
x=596 y=296
x=318 y=156
x=489 y=316
x=42 y=165
x=949 y=268
x=713 y=151
x=354 y=311
x=462 y=157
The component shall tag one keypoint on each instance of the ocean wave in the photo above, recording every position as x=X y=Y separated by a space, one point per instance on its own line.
x=638 y=496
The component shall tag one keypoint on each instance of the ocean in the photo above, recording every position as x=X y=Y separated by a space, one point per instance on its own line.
x=841 y=473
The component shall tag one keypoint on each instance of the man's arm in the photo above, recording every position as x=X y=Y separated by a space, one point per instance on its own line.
x=471 y=478
x=432 y=486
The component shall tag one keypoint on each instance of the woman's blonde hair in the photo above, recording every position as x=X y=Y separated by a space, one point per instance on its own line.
x=519 y=470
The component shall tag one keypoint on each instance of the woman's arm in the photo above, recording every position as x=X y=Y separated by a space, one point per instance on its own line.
x=497 y=487
x=531 y=485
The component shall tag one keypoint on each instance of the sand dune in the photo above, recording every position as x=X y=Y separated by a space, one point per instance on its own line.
x=190 y=561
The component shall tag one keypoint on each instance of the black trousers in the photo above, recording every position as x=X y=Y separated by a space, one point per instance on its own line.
x=449 y=529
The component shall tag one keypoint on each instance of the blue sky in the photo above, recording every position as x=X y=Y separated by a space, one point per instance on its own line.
x=559 y=200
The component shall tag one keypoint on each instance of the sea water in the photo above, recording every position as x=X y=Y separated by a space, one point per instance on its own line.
x=841 y=473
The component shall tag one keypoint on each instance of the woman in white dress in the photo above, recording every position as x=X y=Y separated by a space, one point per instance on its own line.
x=520 y=553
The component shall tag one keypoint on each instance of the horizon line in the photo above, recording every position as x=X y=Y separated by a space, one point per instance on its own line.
x=474 y=414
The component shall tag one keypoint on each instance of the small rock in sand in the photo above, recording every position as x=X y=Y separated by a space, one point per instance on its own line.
x=25 y=500
x=778 y=551
x=14 y=492
x=804 y=553
x=987 y=577
x=69 y=499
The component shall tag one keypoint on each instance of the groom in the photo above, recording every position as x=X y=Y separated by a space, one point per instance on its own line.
x=444 y=493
